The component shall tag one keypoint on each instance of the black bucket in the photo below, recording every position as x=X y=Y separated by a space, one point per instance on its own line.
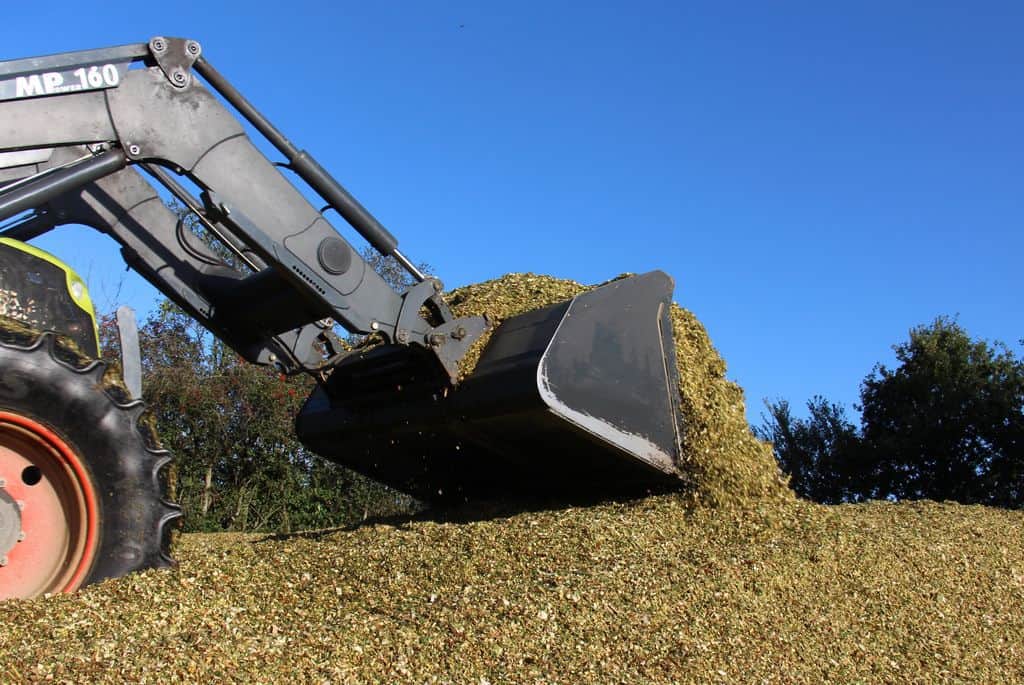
x=578 y=397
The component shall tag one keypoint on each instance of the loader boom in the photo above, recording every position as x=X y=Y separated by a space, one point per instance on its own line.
x=89 y=137
x=87 y=125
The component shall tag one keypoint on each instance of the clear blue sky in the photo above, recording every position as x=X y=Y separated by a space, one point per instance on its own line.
x=817 y=178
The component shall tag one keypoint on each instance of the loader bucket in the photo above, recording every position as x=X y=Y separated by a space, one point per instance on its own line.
x=577 y=397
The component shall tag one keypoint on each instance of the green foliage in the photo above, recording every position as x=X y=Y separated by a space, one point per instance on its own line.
x=946 y=423
x=814 y=452
x=393 y=273
x=230 y=426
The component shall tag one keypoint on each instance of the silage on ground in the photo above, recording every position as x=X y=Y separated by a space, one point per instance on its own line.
x=771 y=590
x=652 y=591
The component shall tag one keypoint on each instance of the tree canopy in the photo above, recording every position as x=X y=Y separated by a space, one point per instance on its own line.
x=945 y=422
x=229 y=424
x=813 y=450
x=948 y=421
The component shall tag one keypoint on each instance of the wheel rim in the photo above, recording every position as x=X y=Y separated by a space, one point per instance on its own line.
x=48 y=511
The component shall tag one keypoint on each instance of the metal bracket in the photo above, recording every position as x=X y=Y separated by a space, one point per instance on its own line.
x=175 y=57
x=450 y=342
x=410 y=324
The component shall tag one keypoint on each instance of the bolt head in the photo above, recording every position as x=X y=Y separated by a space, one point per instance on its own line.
x=192 y=47
x=134 y=150
x=3 y=561
x=179 y=77
x=158 y=45
x=3 y=483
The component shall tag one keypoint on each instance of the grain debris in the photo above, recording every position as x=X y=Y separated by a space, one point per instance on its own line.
x=730 y=580
x=647 y=591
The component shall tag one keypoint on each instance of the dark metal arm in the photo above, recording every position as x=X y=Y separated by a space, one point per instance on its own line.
x=48 y=186
x=303 y=271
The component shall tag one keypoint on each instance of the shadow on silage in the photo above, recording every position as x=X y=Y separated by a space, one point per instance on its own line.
x=476 y=511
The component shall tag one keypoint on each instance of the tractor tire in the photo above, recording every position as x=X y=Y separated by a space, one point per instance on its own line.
x=82 y=493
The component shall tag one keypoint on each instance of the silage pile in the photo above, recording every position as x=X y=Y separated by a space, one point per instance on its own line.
x=760 y=587
x=725 y=464
x=651 y=591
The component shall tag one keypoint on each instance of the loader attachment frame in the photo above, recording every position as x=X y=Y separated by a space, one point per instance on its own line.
x=76 y=131
x=579 y=397
x=89 y=137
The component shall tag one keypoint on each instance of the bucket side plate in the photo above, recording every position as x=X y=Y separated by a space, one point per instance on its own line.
x=610 y=369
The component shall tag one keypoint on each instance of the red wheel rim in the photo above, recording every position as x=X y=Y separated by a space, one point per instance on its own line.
x=48 y=491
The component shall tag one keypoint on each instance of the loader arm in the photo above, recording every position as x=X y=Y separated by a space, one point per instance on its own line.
x=79 y=130
x=581 y=395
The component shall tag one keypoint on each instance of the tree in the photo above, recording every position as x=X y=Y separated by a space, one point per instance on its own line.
x=948 y=421
x=225 y=421
x=393 y=273
x=230 y=426
x=816 y=452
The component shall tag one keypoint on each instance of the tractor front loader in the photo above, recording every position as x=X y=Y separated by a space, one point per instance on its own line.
x=579 y=396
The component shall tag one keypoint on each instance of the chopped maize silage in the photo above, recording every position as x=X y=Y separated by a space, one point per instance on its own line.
x=651 y=591
x=724 y=462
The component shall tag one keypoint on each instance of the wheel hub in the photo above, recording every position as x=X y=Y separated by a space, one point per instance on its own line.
x=10 y=523
x=47 y=511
